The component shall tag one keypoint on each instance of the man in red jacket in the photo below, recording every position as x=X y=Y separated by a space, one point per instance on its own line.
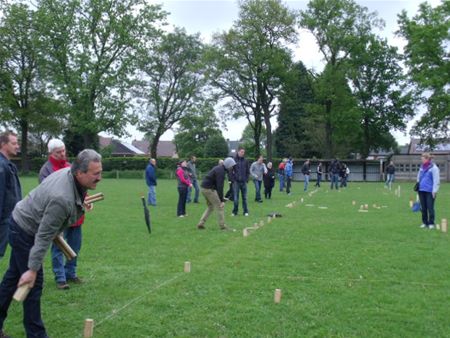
x=63 y=272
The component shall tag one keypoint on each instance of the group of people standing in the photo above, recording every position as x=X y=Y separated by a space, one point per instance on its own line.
x=30 y=225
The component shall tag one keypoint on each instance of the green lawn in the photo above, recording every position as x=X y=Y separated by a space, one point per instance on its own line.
x=343 y=273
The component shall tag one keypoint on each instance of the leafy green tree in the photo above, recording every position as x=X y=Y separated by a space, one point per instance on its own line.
x=171 y=85
x=195 y=130
x=339 y=27
x=216 y=146
x=91 y=52
x=290 y=136
x=427 y=57
x=248 y=142
x=380 y=88
x=248 y=63
x=24 y=100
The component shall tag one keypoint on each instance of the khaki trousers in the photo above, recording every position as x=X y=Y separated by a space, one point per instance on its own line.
x=213 y=202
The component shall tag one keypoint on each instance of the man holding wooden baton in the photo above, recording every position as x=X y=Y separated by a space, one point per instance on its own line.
x=36 y=220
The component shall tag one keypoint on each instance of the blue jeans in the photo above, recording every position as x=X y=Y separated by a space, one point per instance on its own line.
x=334 y=181
x=306 y=183
x=151 y=200
x=21 y=244
x=257 y=190
x=239 y=187
x=389 y=180
x=182 y=192
x=4 y=230
x=196 y=194
x=427 y=205
x=63 y=272
x=281 y=178
x=319 y=178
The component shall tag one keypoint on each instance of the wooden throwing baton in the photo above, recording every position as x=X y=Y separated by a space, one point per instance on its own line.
x=94 y=198
x=22 y=292
x=64 y=247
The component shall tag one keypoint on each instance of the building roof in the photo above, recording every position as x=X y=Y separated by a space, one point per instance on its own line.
x=416 y=148
x=164 y=149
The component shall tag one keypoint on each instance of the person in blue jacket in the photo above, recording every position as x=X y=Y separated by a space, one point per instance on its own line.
x=429 y=181
x=150 y=178
x=288 y=172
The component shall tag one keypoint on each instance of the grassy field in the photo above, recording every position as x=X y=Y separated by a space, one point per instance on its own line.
x=342 y=273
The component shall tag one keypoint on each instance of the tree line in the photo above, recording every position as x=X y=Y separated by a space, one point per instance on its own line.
x=74 y=68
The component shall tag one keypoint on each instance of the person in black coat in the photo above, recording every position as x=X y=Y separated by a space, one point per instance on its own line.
x=269 y=181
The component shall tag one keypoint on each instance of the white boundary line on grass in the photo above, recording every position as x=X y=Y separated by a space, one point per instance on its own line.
x=134 y=300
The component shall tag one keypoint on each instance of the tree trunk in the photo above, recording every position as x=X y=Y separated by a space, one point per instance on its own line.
x=154 y=145
x=328 y=131
x=268 y=135
x=24 y=146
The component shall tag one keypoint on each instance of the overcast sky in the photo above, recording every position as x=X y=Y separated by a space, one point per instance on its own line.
x=211 y=16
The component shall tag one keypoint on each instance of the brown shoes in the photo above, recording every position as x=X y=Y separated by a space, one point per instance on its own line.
x=200 y=227
x=75 y=280
x=62 y=286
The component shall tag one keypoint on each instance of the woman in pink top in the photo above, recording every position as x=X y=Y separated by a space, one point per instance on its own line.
x=183 y=184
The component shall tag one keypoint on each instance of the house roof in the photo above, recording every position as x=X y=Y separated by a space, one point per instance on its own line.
x=164 y=149
x=416 y=148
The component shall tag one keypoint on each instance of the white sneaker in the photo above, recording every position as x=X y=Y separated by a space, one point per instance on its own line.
x=423 y=226
x=246 y=214
x=233 y=214
x=431 y=226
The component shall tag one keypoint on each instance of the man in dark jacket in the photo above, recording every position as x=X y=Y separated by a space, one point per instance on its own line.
x=335 y=168
x=240 y=175
x=150 y=179
x=10 y=189
x=212 y=189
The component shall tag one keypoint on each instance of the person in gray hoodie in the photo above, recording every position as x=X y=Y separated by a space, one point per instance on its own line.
x=257 y=171
x=47 y=211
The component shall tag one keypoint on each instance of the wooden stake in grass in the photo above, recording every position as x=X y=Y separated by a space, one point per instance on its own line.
x=22 y=292
x=277 y=296
x=353 y=202
x=88 y=328
x=245 y=232
x=366 y=206
x=444 y=224
x=187 y=266
x=261 y=223
x=269 y=219
x=411 y=203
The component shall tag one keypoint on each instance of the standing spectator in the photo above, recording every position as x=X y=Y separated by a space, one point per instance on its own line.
x=257 y=170
x=269 y=181
x=67 y=272
x=429 y=181
x=390 y=173
x=183 y=184
x=10 y=189
x=335 y=167
x=49 y=209
x=240 y=177
x=319 y=174
x=193 y=177
x=281 y=174
x=306 y=171
x=344 y=173
x=150 y=179
x=212 y=189
x=289 y=171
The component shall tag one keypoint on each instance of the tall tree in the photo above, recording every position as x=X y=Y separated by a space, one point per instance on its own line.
x=339 y=27
x=194 y=131
x=91 y=47
x=251 y=59
x=428 y=59
x=290 y=136
x=216 y=146
x=24 y=101
x=381 y=91
x=171 y=85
